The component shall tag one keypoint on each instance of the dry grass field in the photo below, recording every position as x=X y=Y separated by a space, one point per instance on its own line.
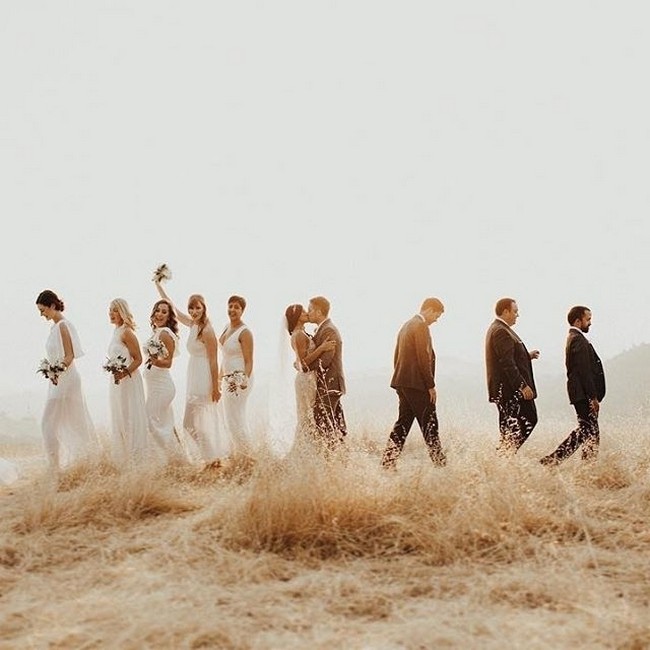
x=299 y=553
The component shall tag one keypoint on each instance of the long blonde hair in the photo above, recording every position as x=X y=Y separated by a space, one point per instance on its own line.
x=123 y=310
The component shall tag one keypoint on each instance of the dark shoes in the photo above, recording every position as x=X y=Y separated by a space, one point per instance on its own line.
x=549 y=461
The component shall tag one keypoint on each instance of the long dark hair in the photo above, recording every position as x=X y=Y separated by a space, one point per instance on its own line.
x=292 y=314
x=48 y=298
x=172 y=323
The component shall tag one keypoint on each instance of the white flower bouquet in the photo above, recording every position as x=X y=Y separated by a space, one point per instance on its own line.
x=155 y=349
x=235 y=381
x=51 y=371
x=115 y=365
x=162 y=273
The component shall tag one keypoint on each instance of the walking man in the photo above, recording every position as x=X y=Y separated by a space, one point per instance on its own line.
x=586 y=389
x=413 y=378
x=510 y=381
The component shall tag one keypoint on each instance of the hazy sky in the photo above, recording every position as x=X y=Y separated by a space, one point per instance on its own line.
x=373 y=152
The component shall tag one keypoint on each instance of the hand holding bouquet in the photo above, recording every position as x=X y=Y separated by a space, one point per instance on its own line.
x=162 y=273
x=155 y=349
x=236 y=381
x=52 y=371
x=115 y=365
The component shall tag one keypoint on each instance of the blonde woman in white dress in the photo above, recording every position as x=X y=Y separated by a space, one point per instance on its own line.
x=68 y=431
x=201 y=417
x=129 y=426
x=159 y=384
x=236 y=376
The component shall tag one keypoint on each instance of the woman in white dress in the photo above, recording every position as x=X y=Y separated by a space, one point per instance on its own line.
x=160 y=350
x=305 y=381
x=129 y=427
x=68 y=431
x=201 y=418
x=237 y=371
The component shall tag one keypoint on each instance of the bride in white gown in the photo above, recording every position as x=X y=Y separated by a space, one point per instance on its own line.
x=68 y=431
x=305 y=352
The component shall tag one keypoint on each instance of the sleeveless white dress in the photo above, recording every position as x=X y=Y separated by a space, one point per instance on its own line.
x=201 y=419
x=234 y=403
x=305 y=387
x=68 y=431
x=129 y=426
x=161 y=390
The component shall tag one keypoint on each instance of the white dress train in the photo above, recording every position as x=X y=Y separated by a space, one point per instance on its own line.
x=201 y=419
x=68 y=431
x=128 y=415
x=8 y=472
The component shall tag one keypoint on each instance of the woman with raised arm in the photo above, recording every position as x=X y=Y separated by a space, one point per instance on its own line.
x=160 y=350
x=201 y=419
x=68 y=431
x=129 y=428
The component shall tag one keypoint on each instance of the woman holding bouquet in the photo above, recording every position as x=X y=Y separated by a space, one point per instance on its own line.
x=161 y=348
x=201 y=418
x=237 y=368
x=129 y=425
x=68 y=431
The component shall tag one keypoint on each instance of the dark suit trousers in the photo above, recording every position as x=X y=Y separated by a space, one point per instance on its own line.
x=414 y=404
x=517 y=419
x=328 y=416
x=587 y=434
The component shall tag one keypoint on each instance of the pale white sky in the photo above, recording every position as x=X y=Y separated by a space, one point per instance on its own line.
x=374 y=152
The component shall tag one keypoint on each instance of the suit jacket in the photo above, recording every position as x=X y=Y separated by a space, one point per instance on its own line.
x=414 y=361
x=507 y=363
x=584 y=369
x=329 y=366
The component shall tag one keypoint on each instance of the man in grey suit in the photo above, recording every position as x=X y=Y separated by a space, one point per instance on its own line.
x=586 y=389
x=413 y=378
x=511 y=385
x=330 y=381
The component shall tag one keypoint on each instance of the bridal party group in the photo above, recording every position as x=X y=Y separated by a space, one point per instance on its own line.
x=220 y=373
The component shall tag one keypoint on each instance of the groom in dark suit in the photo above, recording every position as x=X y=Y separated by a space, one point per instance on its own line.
x=330 y=381
x=414 y=380
x=510 y=381
x=586 y=389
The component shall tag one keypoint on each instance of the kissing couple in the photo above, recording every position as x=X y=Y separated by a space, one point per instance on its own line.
x=319 y=381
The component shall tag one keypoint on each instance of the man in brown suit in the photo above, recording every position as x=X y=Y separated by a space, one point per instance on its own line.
x=586 y=389
x=510 y=381
x=330 y=381
x=414 y=380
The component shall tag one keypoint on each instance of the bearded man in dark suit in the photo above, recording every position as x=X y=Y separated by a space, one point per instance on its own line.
x=510 y=381
x=586 y=389
x=330 y=380
x=413 y=378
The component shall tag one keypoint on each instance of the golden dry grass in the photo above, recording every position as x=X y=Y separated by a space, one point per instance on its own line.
x=300 y=553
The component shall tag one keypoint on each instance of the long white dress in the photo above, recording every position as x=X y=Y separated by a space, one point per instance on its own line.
x=201 y=419
x=68 y=431
x=129 y=426
x=305 y=388
x=160 y=391
x=234 y=403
